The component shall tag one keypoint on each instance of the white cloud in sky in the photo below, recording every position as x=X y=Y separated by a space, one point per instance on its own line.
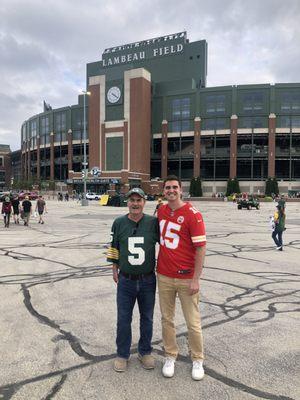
x=45 y=46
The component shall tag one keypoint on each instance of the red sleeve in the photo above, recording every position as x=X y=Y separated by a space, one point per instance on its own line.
x=196 y=227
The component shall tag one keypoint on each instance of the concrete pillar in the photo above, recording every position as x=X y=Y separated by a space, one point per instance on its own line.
x=38 y=158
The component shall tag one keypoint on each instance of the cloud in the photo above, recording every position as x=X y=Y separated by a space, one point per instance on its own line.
x=45 y=46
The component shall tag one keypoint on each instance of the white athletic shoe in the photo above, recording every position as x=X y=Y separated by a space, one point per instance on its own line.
x=168 y=368
x=197 y=371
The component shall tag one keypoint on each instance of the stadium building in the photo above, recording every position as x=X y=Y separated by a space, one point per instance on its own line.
x=149 y=114
x=5 y=167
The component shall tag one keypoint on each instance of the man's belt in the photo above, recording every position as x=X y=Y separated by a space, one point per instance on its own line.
x=136 y=277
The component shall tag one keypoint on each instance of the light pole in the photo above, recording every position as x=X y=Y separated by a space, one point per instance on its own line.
x=84 y=201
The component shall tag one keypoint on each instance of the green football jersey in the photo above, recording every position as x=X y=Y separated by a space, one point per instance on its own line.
x=133 y=244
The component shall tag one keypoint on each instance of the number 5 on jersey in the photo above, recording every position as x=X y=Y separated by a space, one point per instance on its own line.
x=168 y=237
x=138 y=257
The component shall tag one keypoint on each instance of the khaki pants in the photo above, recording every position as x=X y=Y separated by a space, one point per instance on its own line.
x=168 y=288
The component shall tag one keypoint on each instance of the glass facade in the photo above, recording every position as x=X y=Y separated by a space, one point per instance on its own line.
x=215 y=104
x=180 y=115
x=287 y=153
x=252 y=106
x=290 y=102
x=252 y=102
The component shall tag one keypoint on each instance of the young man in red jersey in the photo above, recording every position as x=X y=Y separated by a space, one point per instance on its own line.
x=180 y=263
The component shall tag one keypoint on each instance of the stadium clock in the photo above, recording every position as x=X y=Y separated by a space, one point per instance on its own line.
x=113 y=94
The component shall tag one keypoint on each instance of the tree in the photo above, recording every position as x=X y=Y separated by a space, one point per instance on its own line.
x=196 y=187
x=233 y=186
x=271 y=187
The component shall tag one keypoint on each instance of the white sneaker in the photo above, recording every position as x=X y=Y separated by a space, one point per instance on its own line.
x=168 y=368
x=197 y=371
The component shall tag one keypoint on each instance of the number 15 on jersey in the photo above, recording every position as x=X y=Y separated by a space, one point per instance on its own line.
x=168 y=235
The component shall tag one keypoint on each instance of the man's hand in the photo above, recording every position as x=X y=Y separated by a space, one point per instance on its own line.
x=115 y=274
x=194 y=286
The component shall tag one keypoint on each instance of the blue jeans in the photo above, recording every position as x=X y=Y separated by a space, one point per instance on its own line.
x=277 y=237
x=142 y=290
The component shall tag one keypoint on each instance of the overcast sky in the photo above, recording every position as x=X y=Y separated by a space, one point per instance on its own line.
x=45 y=45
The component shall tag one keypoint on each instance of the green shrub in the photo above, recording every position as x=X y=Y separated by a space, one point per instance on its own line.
x=233 y=186
x=271 y=187
x=196 y=187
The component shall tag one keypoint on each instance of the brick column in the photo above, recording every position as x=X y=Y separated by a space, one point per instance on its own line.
x=7 y=169
x=125 y=144
x=233 y=146
x=164 y=149
x=96 y=117
x=271 y=144
x=51 y=156
x=137 y=111
x=102 y=148
x=70 y=153
x=197 y=144
x=38 y=158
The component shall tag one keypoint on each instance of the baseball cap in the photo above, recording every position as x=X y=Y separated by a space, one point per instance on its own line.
x=137 y=191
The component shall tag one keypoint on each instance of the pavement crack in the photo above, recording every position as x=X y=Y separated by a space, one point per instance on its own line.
x=56 y=388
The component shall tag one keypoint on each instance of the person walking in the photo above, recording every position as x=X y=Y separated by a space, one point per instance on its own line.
x=132 y=253
x=159 y=203
x=27 y=210
x=41 y=208
x=6 y=211
x=279 y=227
x=180 y=264
x=16 y=208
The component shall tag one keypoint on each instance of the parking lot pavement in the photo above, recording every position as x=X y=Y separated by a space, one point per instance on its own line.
x=58 y=312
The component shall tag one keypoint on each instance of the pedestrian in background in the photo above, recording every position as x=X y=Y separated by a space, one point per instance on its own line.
x=279 y=227
x=6 y=211
x=41 y=208
x=27 y=210
x=159 y=203
x=16 y=208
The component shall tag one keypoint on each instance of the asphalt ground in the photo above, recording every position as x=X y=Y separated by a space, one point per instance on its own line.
x=58 y=310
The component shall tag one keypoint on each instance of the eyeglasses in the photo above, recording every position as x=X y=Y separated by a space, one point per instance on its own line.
x=171 y=187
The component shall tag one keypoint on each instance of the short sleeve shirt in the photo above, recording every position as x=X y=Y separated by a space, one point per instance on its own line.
x=181 y=232
x=133 y=244
x=26 y=206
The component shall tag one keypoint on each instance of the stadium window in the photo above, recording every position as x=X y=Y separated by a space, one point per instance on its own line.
x=252 y=102
x=290 y=102
x=215 y=104
x=180 y=117
x=44 y=125
x=211 y=124
x=286 y=121
x=60 y=122
x=33 y=128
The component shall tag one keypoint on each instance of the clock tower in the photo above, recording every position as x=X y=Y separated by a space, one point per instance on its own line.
x=120 y=127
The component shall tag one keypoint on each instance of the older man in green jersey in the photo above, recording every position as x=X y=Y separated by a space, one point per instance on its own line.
x=132 y=253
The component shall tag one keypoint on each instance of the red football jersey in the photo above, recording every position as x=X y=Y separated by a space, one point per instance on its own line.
x=181 y=231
